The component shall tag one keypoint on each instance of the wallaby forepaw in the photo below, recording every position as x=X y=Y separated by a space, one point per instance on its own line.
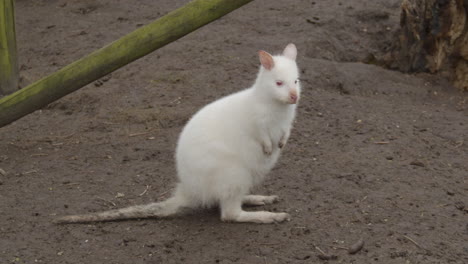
x=283 y=140
x=280 y=145
x=267 y=149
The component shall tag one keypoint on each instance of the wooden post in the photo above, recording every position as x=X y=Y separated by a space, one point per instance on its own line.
x=433 y=37
x=140 y=42
x=8 y=60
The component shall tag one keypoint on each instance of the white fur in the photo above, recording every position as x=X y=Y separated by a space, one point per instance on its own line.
x=228 y=147
x=231 y=144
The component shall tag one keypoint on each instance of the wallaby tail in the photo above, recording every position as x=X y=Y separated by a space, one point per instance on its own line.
x=159 y=209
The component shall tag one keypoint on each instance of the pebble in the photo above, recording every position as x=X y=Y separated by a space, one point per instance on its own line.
x=356 y=247
x=459 y=205
x=327 y=257
x=417 y=163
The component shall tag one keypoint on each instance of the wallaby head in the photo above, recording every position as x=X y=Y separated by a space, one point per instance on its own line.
x=278 y=78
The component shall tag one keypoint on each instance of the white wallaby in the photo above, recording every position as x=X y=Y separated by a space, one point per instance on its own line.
x=228 y=147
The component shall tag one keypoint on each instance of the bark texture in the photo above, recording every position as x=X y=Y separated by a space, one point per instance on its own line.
x=433 y=37
x=8 y=60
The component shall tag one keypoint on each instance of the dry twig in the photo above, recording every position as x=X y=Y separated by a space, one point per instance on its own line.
x=412 y=241
x=143 y=193
x=139 y=134
x=164 y=193
x=323 y=255
x=107 y=201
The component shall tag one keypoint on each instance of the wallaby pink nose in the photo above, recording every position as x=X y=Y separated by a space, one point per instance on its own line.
x=293 y=98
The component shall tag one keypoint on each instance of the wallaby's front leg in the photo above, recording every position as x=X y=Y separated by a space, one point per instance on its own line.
x=267 y=147
x=267 y=143
x=284 y=138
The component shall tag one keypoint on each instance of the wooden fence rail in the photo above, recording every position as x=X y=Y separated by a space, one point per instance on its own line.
x=137 y=44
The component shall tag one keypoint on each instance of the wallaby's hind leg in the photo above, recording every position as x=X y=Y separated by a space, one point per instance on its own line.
x=231 y=210
x=256 y=200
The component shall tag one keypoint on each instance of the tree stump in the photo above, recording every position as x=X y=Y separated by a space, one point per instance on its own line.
x=433 y=37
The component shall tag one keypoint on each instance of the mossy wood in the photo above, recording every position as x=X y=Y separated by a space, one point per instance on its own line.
x=433 y=37
x=137 y=44
x=8 y=60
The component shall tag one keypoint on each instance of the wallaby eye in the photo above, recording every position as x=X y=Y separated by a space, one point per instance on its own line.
x=279 y=83
x=296 y=81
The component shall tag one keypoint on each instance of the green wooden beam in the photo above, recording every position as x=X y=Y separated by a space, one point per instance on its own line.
x=8 y=60
x=137 y=44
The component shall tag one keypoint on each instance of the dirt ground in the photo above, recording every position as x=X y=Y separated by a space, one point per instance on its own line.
x=375 y=154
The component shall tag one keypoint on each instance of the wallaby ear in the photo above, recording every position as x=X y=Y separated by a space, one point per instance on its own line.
x=266 y=60
x=290 y=51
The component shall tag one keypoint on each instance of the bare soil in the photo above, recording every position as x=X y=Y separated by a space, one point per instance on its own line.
x=375 y=154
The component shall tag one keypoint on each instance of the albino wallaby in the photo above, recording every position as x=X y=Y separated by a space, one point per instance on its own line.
x=228 y=147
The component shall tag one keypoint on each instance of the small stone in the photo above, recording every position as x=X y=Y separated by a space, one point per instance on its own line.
x=460 y=205
x=119 y=195
x=302 y=256
x=417 y=163
x=399 y=254
x=2 y=172
x=327 y=257
x=356 y=247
